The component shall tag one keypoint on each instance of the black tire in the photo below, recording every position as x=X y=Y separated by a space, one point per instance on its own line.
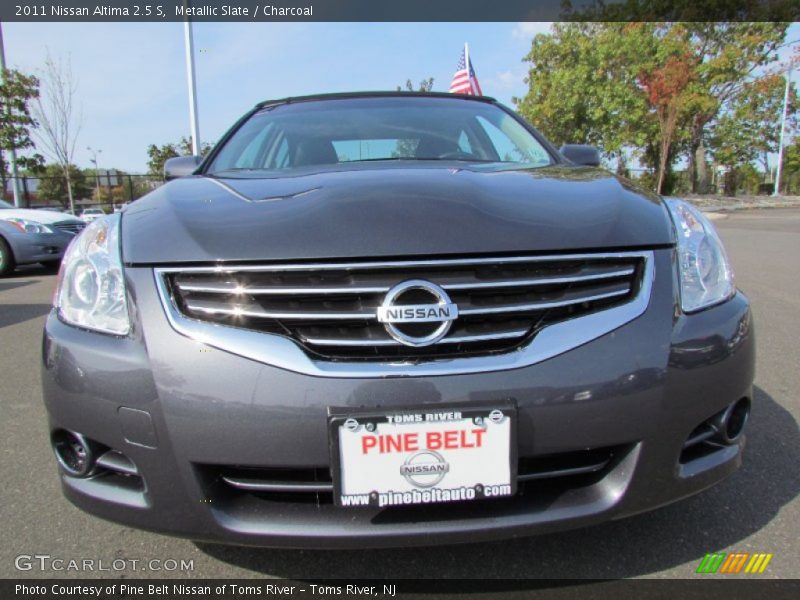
x=7 y=264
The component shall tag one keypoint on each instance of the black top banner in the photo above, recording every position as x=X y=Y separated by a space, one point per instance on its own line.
x=398 y=10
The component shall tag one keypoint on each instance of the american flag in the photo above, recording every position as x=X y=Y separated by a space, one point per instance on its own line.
x=465 y=81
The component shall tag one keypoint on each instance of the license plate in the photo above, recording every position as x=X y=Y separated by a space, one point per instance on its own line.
x=424 y=455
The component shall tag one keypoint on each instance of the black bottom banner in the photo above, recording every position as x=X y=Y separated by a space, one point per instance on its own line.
x=198 y=589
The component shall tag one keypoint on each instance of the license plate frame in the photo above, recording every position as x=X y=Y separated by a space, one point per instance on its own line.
x=379 y=418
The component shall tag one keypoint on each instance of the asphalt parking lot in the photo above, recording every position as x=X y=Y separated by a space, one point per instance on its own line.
x=757 y=510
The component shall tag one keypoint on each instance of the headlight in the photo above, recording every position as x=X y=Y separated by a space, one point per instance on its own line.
x=91 y=289
x=705 y=273
x=27 y=226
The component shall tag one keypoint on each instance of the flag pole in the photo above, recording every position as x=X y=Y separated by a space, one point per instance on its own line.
x=466 y=60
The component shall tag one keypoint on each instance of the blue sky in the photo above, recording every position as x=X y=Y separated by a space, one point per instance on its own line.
x=132 y=82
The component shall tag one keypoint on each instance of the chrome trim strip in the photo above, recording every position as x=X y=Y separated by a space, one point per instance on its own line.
x=284 y=353
x=233 y=289
x=508 y=308
x=700 y=437
x=512 y=308
x=350 y=266
x=504 y=335
x=538 y=281
x=116 y=461
x=265 y=314
x=257 y=485
x=279 y=291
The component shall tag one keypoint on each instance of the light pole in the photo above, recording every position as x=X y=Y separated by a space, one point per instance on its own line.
x=12 y=153
x=192 y=84
x=93 y=160
x=779 y=170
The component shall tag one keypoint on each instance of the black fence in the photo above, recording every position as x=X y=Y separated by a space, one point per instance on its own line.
x=108 y=190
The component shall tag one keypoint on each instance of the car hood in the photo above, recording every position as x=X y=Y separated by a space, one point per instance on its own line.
x=371 y=210
x=45 y=217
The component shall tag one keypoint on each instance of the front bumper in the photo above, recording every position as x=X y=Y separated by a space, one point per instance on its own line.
x=39 y=247
x=179 y=410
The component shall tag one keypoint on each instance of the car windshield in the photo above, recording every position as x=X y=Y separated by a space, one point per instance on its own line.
x=349 y=130
x=4 y=204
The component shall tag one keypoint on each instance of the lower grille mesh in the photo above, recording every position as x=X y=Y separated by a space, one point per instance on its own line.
x=314 y=485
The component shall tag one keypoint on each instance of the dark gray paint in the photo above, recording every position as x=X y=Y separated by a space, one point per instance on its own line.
x=647 y=384
x=399 y=209
x=581 y=154
x=651 y=382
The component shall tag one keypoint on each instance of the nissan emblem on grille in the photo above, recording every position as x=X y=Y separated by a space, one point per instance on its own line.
x=417 y=313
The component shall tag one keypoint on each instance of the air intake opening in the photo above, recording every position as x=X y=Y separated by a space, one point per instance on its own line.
x=719 y=431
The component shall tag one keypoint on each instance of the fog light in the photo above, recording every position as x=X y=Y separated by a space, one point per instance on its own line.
x=730 y=423
x=75 y=454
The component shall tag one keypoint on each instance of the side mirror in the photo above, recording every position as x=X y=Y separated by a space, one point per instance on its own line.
x=180 y=166
x=581 y=154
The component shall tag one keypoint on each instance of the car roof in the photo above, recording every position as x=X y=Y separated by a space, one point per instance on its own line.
x=375 y=94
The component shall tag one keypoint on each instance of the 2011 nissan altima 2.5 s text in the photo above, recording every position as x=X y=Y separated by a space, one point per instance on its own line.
x=390 y=319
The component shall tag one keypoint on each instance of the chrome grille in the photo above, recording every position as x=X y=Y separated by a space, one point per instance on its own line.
x=70 y=226
x=331 y=309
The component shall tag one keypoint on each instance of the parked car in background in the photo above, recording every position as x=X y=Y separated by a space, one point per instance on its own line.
x=388 y=319
x=90 y=214
x=33 y=236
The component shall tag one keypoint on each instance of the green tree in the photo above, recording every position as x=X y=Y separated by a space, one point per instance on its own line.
x=750 y=129
x=127 y=188
x=728 y=56
x=583 y=87
x=665 y=74
x=17 y=92
x=652 y=88
x=158 y=155
x=53 y=185
x=406 y=148
x=790 y=180
x=426 y=85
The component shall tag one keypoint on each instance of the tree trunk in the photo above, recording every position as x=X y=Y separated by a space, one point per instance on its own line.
x=730 y=182
x=700 y=185
x=691 y=167
x=662 y=165
x=667 y=117
x=765 y=164
x=69 y=191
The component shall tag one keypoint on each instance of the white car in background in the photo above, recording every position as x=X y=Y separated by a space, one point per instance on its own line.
x=90 y=214
x=30 y=236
